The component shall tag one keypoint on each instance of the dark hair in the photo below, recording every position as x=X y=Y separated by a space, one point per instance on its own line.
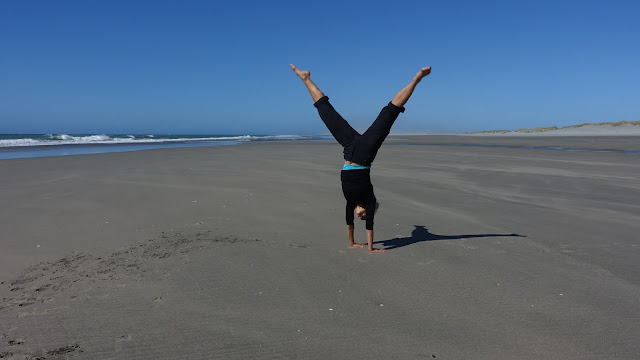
x=375 y=211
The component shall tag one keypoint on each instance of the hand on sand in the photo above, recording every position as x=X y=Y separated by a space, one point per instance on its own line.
x=302 y=74
x=423 y=72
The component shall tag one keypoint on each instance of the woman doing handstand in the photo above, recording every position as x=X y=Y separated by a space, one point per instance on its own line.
x=359 y=150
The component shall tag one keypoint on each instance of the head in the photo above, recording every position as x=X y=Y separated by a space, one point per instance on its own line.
x=361 y=212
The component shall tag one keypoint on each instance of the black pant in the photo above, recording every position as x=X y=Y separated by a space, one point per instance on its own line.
x=360 y=149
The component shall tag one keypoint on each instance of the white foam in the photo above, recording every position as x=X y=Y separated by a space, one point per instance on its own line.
x=19 y=142
x=64 y=139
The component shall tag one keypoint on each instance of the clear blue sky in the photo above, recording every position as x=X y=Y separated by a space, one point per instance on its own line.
x=212 y=67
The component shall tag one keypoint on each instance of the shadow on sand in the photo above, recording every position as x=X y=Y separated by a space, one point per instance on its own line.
x=420 y=233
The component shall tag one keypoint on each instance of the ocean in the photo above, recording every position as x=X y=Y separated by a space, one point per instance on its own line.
x=15 y=146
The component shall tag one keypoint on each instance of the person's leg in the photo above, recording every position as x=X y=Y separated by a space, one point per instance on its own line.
x=375 y=135
x=338 y=126
x=305 y=76
x=403 y=95
x=382 y=125
x=380 y=128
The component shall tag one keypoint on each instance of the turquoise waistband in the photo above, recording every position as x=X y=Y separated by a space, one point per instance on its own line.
x=354 y=167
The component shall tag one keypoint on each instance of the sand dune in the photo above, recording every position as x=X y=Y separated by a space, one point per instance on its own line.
x=621 y=128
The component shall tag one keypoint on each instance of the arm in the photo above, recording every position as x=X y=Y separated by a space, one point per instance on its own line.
x=352 y=241
x=349 y=208
x=370 y=242
x=403 y=96
x=371 y=212
x=349 y=217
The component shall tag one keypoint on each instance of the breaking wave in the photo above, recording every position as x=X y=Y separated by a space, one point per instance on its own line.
x=65 y=139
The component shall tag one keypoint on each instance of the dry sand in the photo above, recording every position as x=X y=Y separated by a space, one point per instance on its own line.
x=240 y=252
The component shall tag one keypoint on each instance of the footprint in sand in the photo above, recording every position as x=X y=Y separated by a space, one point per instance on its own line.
x=304 y=246
x=43 y=311
x=123 y=338
x=33 y=313
x=64 y=350
x=425 y=263
x=121 y=341
x=16 y=342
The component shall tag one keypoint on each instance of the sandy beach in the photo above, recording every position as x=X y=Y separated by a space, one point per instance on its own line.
x=497 y=248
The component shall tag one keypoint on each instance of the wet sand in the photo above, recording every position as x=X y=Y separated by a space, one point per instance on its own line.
x=238 y=252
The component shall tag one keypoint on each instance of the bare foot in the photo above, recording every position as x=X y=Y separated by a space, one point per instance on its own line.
x=302 y=74
x=423 y=72
x=377 y=250
x=356 y=245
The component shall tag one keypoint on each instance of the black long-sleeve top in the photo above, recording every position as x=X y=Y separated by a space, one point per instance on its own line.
x=358 y=190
